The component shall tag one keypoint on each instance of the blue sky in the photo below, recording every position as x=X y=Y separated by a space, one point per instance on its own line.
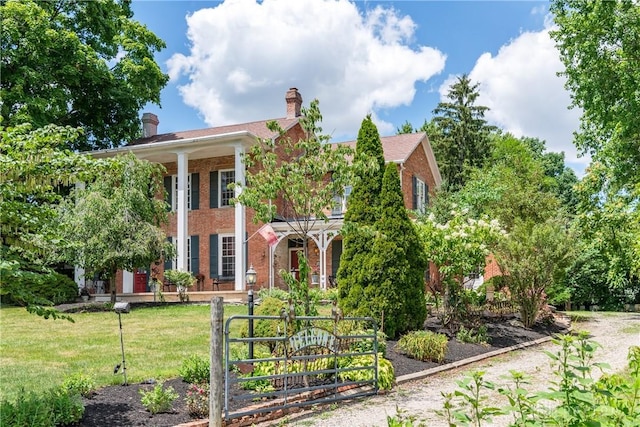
x=232 y=62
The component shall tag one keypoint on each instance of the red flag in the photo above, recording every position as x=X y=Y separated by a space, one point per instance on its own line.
x=266 y=231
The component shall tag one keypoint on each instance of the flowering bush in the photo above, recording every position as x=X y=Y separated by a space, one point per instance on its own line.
x=198 y=400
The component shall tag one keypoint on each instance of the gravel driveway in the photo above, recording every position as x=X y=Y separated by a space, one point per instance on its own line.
x=615 y=332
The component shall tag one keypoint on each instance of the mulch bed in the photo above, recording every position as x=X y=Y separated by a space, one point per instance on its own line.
x=121 y=406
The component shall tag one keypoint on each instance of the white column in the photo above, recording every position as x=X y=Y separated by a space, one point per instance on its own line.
x=181 y=238
x=240 y=227
x=78 y=271
x=127 y=282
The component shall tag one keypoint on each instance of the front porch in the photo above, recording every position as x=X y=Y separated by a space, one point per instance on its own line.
x=238 y=297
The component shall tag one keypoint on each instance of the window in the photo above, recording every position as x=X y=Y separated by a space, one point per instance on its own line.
x=227 y=256
x=340 y=202
x=420 y=195
x=226 y=193
x=193 y=198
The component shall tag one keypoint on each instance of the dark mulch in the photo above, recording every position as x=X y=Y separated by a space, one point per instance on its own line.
x=121 y=405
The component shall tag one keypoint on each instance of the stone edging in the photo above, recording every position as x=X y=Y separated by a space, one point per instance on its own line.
x=426 y=373
x=453 y=365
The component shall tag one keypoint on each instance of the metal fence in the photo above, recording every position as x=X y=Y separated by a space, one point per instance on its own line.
x=305 y=361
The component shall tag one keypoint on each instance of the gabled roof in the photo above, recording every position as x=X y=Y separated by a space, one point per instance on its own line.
x=258 y=129
x=398 y=148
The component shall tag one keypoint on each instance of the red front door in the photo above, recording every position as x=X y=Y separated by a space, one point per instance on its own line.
x=139 y=281
x=294 y=263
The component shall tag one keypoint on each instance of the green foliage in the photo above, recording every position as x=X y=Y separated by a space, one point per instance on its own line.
x=535 y=255
x=597 y=41
x=269 y=306
x=49 y=288
x=424 y=345
x=35 y=171
x=360 y=218
x=573 y=399
x=158 y=399
x=197 y=400
x=81 y=64
x=471 y=335
x=195 y=369
x=79 y=383
x=55 y=407
x=402 y=420
x=392 y=278
x=457 y=247
x=114 y=223
x=462 y=141
x=386 y=375
x=277 y=293
x=296 y=172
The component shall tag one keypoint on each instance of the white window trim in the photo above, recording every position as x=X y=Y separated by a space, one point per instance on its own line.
x=221 y=238
x=220 y=189
x=174 y=192
x=340 y=201
x=421 y=195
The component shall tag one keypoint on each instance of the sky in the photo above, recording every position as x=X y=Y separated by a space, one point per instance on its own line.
x=233 y=61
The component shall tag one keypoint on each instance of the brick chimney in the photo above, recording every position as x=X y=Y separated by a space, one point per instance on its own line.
x=294 y=103
x=149 y=125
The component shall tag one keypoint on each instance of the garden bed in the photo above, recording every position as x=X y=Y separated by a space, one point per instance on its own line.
x=120 y=405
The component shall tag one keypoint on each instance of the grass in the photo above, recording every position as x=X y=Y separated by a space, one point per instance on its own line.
x=37 y=354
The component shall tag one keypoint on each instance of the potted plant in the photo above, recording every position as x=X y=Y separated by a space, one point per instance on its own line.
x=315 y=277
x=183 y=280
x=84 y=294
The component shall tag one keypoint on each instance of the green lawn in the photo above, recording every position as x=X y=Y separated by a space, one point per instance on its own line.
x=36 y=354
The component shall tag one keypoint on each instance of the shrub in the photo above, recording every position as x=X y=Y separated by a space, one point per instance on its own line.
x=79 y=383
x=472 y=336
x=424 y=345
x=198 y=400
x=277 y=293
x=264 y=327
x=386 y=374
x=158 y=399
x=55 y=407
x=51 y=287
x=195 y=369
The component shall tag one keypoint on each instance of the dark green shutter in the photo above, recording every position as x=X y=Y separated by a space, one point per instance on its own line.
x=336 y=252
x=213 y=189
x=414 y=186
x=167 y=262
x=195 y=191
x=213 y=256
x=168 y=192
x=195 y=254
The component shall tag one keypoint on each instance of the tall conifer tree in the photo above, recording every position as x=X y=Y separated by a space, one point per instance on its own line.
x=395 y=269
x=361 y=215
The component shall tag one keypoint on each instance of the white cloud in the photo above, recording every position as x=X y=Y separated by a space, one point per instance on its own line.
x=526 y=96
x=244 y=55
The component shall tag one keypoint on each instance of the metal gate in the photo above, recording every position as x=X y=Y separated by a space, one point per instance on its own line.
x=305 y=361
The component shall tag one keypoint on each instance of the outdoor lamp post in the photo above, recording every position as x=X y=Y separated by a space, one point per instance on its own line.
x=250 y=277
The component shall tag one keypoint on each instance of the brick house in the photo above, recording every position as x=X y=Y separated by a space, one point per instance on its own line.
x=214 y=239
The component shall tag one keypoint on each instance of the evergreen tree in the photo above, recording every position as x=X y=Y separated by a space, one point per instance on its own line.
x=464 y=139
x=361 y=215
x=394 y=295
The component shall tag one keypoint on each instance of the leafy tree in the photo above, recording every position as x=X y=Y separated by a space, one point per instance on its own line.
x=598 y=44
x=83 y=64
x=511 y=186
x=114 y=222
x=535 y=255
x=34 y=172
x=302 y=175
x=394 y=290
x=463 y=141
x=362 y=213
x=457 y=246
